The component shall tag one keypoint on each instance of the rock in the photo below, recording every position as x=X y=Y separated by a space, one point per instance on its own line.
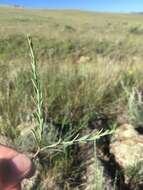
x=83 y=59
x=127 y=148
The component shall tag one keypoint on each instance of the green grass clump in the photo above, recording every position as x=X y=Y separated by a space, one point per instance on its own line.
x=136 y=30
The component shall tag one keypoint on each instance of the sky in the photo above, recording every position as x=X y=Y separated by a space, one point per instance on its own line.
x=93 y=5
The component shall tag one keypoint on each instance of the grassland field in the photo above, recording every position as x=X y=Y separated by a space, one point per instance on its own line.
x=90 y=65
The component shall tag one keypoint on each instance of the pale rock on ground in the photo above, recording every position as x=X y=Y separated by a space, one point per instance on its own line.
x=127 y=146
x=83 y=59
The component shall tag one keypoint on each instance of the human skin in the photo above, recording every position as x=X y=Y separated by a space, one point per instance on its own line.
x=14 y=167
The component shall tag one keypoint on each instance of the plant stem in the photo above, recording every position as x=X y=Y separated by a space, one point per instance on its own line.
x=38 y=95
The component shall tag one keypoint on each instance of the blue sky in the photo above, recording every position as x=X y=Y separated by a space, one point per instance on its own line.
x=94 y=5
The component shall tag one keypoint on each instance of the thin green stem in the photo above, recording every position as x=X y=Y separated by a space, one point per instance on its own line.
x=38 y=95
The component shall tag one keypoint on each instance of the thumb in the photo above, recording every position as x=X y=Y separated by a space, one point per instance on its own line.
x=23 y=165
x=17 y=187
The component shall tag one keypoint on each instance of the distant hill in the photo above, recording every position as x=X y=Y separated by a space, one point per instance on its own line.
x=139 y=13
x=12 y=6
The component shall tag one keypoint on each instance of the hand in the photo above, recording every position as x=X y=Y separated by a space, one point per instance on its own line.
x=14 y=167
